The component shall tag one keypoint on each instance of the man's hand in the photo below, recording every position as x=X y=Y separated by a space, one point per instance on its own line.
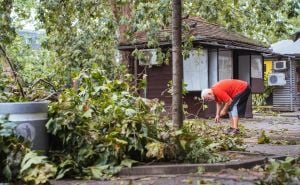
x=217 y=119
x=223 y=113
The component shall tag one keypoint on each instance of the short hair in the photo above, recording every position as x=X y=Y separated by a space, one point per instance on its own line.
x=205 y=92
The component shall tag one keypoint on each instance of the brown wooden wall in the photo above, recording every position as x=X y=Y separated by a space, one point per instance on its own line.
x=157 y=80
x=257 y=85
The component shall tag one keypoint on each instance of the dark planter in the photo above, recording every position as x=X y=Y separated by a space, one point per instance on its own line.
x=31 y=118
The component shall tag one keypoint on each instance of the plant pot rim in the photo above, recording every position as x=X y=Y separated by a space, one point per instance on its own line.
x=27 y=102
x=24 y=107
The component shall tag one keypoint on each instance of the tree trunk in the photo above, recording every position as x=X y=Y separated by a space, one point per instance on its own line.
x=177 y=63
x=122 y=10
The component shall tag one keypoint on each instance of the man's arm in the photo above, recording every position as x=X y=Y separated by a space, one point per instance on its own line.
x=226 y=107
x=219 y=107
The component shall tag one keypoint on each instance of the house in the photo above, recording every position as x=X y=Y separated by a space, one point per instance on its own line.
x=285 y=75
x=217 y=54
x=32 y=38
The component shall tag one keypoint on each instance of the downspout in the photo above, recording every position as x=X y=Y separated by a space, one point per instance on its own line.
x=291 y=87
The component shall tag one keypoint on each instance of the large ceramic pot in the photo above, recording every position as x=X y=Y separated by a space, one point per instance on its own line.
x=31 y=118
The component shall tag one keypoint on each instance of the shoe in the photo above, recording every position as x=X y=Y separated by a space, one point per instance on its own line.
x=230 y=129
x=234 y=132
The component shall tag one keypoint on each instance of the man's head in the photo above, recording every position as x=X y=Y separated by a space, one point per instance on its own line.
x=207 y=95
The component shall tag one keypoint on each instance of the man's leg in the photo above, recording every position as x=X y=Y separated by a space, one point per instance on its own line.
x=234 y=116
x=234 y=122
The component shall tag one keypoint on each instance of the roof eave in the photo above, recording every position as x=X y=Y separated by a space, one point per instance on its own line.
x=210 y=42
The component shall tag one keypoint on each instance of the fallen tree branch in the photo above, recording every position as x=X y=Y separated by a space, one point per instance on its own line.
x=13 y=70
x=45 y=81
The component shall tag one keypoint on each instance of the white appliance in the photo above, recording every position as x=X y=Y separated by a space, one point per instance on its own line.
x=276 y=79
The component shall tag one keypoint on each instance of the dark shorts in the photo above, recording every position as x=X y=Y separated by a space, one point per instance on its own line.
x=239 y=103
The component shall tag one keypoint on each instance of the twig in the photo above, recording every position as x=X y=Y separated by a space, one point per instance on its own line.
x=13 y=70
x=151 y=162
x=46 y=98
x=45 y=81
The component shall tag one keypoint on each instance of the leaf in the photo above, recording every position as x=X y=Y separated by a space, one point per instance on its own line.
x=88 y=113
x=62 y=173
x=7 y=172
x=98 y=170
x=128 y=162
x=155 y=149
x=183 y=143
x=36 y=168
x=213 y=146
x=121 y=141
x=178 y=132
x=29 y=159
x=263 y=138
x=130 y=112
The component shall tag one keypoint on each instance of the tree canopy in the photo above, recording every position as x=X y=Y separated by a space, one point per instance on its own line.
x=85 y=32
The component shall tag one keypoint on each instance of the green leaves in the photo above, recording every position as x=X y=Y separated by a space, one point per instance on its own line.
x=87 y=36
x=155 y=149
x=12 y=149
x=128 y=162
x=101 y=125
x=36 y=169
x=6 y=127
x=270 y=20
x=282 y=172
x=263 y=138
x=201 y=142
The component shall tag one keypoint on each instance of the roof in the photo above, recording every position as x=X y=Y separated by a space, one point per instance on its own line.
x=288 y=47
x=204 y=33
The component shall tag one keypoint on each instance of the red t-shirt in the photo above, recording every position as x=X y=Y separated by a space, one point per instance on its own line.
x=225 y=90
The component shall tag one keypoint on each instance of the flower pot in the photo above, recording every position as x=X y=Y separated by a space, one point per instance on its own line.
x=31 y=118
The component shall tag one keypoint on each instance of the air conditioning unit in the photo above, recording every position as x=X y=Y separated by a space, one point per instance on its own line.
x=279 y=65
x=276 y=79
x=149 y=57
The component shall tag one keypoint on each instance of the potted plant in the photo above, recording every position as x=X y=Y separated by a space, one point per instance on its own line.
x=20 y=106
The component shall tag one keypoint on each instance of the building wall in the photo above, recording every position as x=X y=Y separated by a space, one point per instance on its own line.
x=267 y=67
x=158 y=78
x=286 y=98
x=31 y=38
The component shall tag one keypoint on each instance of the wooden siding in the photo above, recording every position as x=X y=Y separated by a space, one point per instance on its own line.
x=257 y=85
x=157 y=80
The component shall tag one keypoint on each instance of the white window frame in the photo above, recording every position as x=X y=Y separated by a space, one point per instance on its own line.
x=195 y=70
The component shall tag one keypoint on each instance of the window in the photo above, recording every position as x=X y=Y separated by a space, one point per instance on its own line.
x=256 y=66
x=148 y=58
x=195 y=70
x=213 y=67
x=225 y=64
x=244 y=68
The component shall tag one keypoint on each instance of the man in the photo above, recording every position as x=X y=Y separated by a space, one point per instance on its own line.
x=231 y=97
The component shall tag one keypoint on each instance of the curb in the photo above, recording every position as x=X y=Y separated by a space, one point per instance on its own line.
x=189 y=168
x=173 y=169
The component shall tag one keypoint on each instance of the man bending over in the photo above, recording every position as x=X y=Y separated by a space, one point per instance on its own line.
x=231 y=97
